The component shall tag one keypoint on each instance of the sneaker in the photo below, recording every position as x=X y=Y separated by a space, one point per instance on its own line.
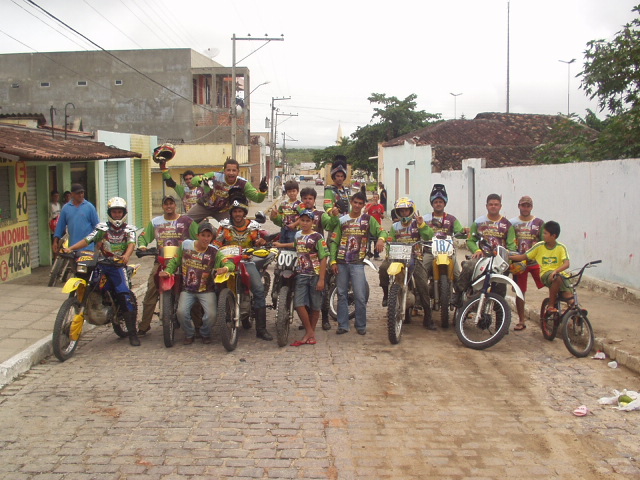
x=340 y=331
x=188 y=341
x=362 y=331
x=326 y=325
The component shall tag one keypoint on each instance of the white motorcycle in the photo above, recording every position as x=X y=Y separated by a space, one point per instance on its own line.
x=484 y=317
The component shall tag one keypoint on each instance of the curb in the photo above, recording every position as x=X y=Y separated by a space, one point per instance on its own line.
x=632 y=362
x=23 y=361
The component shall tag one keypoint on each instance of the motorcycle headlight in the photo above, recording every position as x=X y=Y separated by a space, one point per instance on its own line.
x=82 y=268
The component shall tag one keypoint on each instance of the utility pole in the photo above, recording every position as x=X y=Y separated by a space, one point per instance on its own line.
x=568 y=62
x=272 y=144
x=284 y=159
x=234 y=113
x=455 y=103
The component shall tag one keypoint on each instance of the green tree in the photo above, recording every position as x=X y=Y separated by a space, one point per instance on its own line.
x=611 y=75
x=391 y=118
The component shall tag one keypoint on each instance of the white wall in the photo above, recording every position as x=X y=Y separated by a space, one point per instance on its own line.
x=596 y=205
x=419 y=173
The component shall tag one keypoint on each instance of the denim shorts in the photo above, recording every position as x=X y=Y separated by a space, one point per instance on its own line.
x=306 y=293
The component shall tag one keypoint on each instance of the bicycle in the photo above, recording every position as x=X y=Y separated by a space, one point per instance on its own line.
x=573 y=323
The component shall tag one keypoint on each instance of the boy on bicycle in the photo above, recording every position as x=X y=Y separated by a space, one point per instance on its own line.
x=553 y=258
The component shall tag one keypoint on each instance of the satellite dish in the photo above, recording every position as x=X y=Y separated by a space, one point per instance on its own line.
x=212 y=52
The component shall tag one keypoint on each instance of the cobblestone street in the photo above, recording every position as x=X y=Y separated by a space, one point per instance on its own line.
x=349 y=407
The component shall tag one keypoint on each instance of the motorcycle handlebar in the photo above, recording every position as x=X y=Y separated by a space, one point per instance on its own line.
x=146 y=253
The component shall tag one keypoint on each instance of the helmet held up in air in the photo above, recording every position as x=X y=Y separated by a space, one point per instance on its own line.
x=163 y=153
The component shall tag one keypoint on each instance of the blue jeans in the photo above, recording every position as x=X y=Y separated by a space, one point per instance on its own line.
x=352 y=274
x=257 y=287
x=186 y=301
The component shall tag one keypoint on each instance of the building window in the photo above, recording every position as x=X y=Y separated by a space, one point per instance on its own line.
x=406 y=181
x=45 y=84
x=82 y=83
x=118 y=82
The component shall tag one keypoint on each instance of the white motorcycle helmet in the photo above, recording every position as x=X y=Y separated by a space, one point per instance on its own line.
x=117 y=202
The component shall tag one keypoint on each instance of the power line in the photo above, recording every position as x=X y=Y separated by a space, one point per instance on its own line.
x=143 y=23
x=112 y=24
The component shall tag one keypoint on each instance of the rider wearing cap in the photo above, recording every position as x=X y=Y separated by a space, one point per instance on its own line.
x=409 y=229
x=238 y=230
x=170 y=229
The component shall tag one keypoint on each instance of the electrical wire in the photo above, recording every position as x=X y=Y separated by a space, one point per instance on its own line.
x=113 y=24
x=143 y=23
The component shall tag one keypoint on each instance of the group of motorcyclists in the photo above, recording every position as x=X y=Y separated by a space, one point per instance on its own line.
x=344 y=220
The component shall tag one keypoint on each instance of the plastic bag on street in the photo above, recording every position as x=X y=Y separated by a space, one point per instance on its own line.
x=634 y=405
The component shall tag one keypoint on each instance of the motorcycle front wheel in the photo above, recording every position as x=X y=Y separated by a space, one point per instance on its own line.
x=483 y=329
x=577 y=332
x=226 y=316
x=395 y=313
x=63 y=346
x=283 y=315
x=351 y=302
x=168 y=307
x=445 y=297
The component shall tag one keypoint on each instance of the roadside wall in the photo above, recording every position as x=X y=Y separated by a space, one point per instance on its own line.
x=595 y=203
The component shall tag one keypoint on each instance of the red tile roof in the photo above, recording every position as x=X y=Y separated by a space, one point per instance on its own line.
x=503 y=139
x=31 y=144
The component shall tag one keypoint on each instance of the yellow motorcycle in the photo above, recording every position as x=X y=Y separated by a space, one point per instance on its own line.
x=91 y=298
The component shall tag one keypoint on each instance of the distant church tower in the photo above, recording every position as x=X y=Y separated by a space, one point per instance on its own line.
x=340 y=134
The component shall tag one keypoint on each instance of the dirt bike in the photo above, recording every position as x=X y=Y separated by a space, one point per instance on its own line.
x=91 y=298
x=235 y=299
x=285 y=286
x=169 y=292
x=575 y=327
x=441 y=275
x=484 y=317
x=402 y=287
x=62 y=266
x=332 y=293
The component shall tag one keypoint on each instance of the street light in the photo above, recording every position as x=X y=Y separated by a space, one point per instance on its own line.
x=258 y=86
x=455 y=100
x=568 y=62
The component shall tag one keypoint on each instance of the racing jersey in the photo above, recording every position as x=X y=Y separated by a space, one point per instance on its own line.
x=500 y=232
x=337 y=197
x=168 y=232
x=189 y=196
x=410 y=233
x=350 y=238
x=245 y=236
x=322 y=221
x=311 y=249
x=198 y=267
x=445 y=225
x=287 y=213
x=216 y=190
x=527 y=232
x=113 y=241
x=548 y=258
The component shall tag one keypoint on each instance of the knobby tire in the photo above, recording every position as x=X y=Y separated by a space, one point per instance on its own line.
x=577 y=332
x=395 y=315
x=484 y=331
x=227 y=320
x=63 y=346
x=283 y=315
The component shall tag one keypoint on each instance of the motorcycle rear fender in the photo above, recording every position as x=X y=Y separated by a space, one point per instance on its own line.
x=501 y=279
x=395 y=268
x=73 y=284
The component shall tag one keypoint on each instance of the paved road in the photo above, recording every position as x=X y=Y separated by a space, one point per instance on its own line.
x=349 y=407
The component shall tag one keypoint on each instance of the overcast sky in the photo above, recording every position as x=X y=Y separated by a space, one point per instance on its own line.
x=337 y=53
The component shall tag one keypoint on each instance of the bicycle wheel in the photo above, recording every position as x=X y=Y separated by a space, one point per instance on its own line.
x=283 y=315
x=63 y=346
x=577 y=332
x=395 y=315
x=227 y=319
x=483 y=329
x=549 y=323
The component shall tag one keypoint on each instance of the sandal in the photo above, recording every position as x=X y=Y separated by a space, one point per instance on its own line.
x=581 y=411
x=297 y=343
x=310 y=341
x=519 y=327
x=550 y=310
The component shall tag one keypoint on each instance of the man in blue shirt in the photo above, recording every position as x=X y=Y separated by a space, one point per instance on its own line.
x=79 y=216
